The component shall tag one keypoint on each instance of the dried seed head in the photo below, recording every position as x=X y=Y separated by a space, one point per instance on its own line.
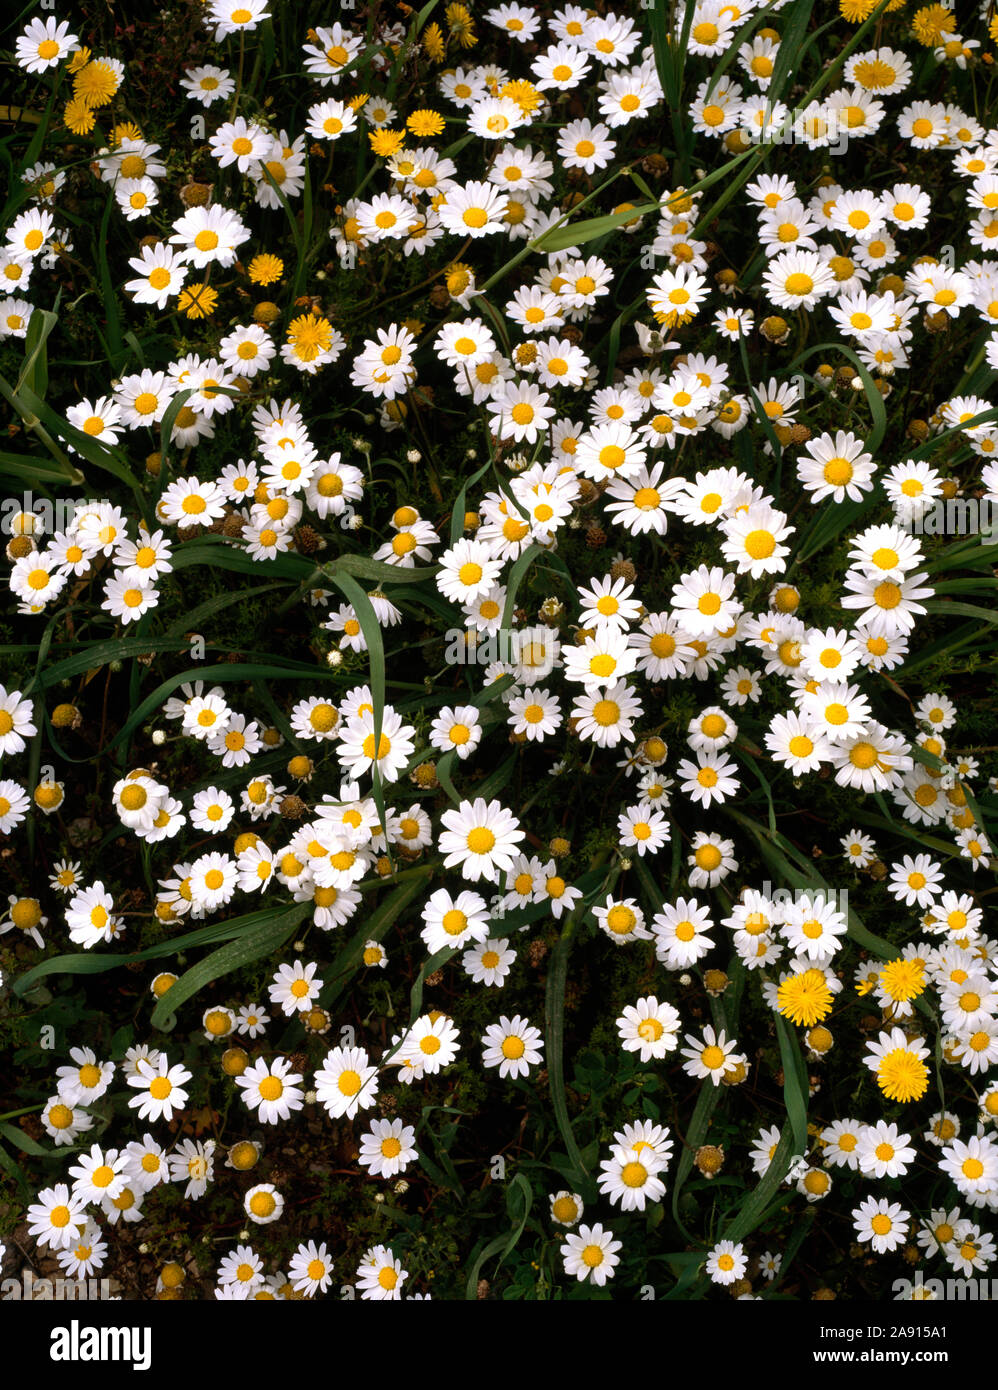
x=19 y=546
x=195 y=195
x=66 y=717
x=709 y=1159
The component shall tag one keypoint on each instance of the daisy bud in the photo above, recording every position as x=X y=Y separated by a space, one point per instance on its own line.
x=153 y=462
x=244 y=1155
x=819 y=1039
x=559 y=847
x=266 y=312
x=300 y=768
x=715 y=982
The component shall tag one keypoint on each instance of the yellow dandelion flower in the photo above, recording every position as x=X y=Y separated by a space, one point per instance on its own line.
x=78 y=117
x=125 y=130
x=415 y=326
x=805 y=998
x=197 y=301
x=95 y=84
x=386 y=142
x=356 y=102
x=903 y=979
x=265 y=269
x=524 y=93
x=425 y=124
x=930 y=23
x=902 y=1076
x=310 y=335
x=855 y=11
x=434 y=43
x=79 y=60
x=461 y=25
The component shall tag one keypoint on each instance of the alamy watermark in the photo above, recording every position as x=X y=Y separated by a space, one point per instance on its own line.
x=784 y=898
x=531 y=649
x=955 y=516
x=51 y=514
x=28 y=1288
x=950 y=1290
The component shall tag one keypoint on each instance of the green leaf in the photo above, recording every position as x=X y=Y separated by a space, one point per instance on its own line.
x=795 y=1084
x=34 y=373
x=578 y=233
x=99 y=962
x=374 y=928
x=750 y=1211
x=554 y=1010
x=24 y=1142
x=110 y=300
x=250 y=945
x=707 y=1102
x=504 y=1244
x=375 y=571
